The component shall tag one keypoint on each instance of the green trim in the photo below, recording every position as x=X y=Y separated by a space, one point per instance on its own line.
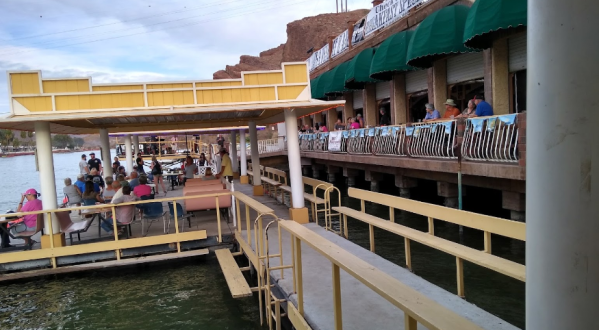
x=440 y=34
x=391 y=56
x=357 y=73
x=488 y=19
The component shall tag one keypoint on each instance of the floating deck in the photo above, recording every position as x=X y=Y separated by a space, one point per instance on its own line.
x=362 y=307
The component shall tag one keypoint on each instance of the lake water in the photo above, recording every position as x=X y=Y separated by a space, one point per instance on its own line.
x=18 y=174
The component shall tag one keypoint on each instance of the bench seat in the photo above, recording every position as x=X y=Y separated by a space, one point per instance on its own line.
x=307 y=196
x=500 y=265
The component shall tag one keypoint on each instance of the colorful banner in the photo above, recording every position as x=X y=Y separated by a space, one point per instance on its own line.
x=318 y=58
x=335 y=140
x=341 y=43
x=387 y=13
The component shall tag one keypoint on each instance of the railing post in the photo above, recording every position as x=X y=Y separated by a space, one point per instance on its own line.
x=408 y=253
x=431 y=226
x=220 y=237
x=487 y=241
x=248 y=227
x=337 y=297
x=176 y=224
x=298 y=275
x=409 y=322
x=460 y=276
x=49 y=217
x=371 y=234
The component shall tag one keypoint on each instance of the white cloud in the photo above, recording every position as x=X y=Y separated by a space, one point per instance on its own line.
x=215 y=34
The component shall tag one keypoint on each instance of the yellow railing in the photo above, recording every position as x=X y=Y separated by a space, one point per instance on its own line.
x=117 y=245
x=487 y=224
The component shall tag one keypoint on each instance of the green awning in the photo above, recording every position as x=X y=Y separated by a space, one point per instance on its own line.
x=490 y=19
x=335 y=80
x=358 y=70
x=316 y=88
x=391 y=56
x=440 y=34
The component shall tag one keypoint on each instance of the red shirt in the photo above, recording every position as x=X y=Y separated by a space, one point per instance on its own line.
x=142 y=190
x=32 y=205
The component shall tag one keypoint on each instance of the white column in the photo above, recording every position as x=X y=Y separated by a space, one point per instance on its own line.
x=136 y=144
x=295 y=162
x=233 y=151
x=105 y=143
x=255 y=154
x=243 y=154
x=128 y=151
x=562 y=188
x=43 y=142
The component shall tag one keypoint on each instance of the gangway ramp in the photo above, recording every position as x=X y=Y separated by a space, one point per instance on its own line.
x=237 y=284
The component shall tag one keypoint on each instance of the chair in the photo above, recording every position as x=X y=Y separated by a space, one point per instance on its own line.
x=67 y=226
x=180 y=214
x=152 y=212
x=28 y=234
x=126 y=224
x=89 y=202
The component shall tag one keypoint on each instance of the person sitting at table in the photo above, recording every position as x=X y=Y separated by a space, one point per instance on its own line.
x=80 y=183
x=208 y=175
x=121 y=180
x=190 y=169
x=109 y=191
x=142 y=189
x=96 y=178
x=118 y=191
x=431 y=113
x=72 y=192
x=134 y=181
x=124 y=214
x=90 y=196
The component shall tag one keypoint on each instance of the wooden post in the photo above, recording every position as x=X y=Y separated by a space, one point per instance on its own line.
x=409 y=322
x=431 y=226
x=337 y=297
x=408 y=253
x=298 y=275
x=487 y=242
x=371 y=232
x=460 y=276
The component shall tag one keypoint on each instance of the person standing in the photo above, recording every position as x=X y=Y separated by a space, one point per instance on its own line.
x=360 y=120
x=226 y=168
x=115 y=165
x=83 y=166
x=220 y=141
x=140 y=164
x=384 y=119
x=94 y=163
x=190 y=169
x=157 y=173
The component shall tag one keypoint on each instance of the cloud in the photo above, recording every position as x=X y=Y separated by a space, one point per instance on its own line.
x=149 y=40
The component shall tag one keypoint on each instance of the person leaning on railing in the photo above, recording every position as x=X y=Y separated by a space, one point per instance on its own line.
x=431 y=113
x=482 y=108
x=469 y=110
x=451 y=110
x=339 y=125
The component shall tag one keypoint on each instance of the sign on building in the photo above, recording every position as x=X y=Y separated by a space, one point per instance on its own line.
x=387 y=13
x=335 y=140
x=341 y=43
x=358 y=34
x=318 y=58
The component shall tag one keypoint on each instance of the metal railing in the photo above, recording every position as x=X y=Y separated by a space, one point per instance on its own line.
x=264 y=147
x=306 y=142
x=390 y=141
x=433 y=140
x=491 y=139
x=360 y=141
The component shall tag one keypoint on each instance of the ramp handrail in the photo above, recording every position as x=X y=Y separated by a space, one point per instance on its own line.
x=492 y=138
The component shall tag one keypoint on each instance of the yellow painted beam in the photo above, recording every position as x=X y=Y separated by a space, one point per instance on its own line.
x=297 y=320
x=66 y=86
x=295 y=73
x=36 y=103
x=25 y=83
x=290 y=92
x=106 y=88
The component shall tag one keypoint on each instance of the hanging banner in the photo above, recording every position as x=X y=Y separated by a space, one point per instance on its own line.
x=335 y=140
x=387 y=13
x=358 y=34
x=341 y=43
x=318 y=58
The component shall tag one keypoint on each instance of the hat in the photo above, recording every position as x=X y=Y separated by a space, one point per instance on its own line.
x=359 y=115
x=450 y=102
x=430 y=106
x=80 y=176
x=91 y=153
x=83 y=156
x=31 y=192
x=479 y=97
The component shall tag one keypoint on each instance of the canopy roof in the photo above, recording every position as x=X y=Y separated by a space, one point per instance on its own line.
x=391 y=56
x=357 y=73
x=219 y=130
x=335 y=80
x=76 y=106
x=440 y=34
x=488 y=19
x=317 y=87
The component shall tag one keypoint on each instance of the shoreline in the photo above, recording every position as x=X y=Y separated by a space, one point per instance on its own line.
x=30 y=153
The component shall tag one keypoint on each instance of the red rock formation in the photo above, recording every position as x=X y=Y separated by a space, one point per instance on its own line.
x=301 y=35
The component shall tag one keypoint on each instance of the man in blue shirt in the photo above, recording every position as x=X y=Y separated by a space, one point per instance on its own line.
x=482 y=108
x=431 y=113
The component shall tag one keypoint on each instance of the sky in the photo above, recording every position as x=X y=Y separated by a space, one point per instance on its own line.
x=149 y=40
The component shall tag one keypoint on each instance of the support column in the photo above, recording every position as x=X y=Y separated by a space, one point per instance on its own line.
x=318 y=118
x=307 y=120
x=136 y=144
x=399 y=106
x=440 y=85
x=281 y=134
x=332 y=117
x=257 y=181
x=129 y=156
x=516 y=203
x=105 y=143
x=243 y=178
x=562 y=174
x=45 y=160
x=331 y=171
x=374 y=178
x=350 y=174
x=450 y=192
x=500 y=76
x=405 y=184
x=370 y=109
x=233 y=153
x=297 y=212
x=348 y=110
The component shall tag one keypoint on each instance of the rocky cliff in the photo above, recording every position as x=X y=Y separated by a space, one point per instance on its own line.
x=301 y=35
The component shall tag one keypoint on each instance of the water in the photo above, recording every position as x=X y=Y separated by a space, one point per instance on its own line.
x=186 y=295
x=18 y=174
x=498 y=294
